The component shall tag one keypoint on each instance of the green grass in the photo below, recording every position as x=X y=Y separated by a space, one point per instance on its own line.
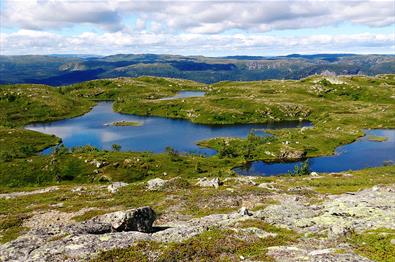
x=338 y=184
x=375 y=244
x=24 y=104
x=44 y=170
x=11 y=227
x=18 y=143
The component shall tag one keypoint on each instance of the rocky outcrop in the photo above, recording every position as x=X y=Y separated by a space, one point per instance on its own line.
x=313 y=254
x=206 y=182
x=86 y=239
x=291 y=155
x=364 y=210
x=140 y=219
x=28 y=193
x=336 y=216
x=241 y=180
x=39 y=246
x=155 y=184
x=332 y=216
x=97 y=163
x=291 y=213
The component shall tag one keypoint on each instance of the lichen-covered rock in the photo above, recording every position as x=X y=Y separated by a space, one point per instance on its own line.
x=55 y=236
x=40 y=247
x=339 y=230
x=367 y=209
x=244 y=212
x=289 y=213
x=337 y=215
x=155 y=184
x=270 y=186
x=113 y=188
x=291 y=154
x=296 y=254
x=98 y=164
x=140 y=219
x=206 y=182
x=28 y=193
x=241 y=180
x=78 y=189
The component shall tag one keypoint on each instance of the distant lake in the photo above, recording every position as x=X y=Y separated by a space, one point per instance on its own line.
x=185 y=94
x=154 y=134
x=360 y=154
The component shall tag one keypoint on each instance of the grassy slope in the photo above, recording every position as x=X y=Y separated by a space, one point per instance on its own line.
x=24 y=104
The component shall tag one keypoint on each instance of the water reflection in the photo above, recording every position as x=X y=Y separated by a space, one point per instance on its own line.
x=360 y=154
x=155 y=133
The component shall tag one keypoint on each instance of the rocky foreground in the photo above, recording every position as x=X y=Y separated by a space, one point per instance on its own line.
x=320 y=227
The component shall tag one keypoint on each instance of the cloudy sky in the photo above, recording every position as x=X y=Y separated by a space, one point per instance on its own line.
x=211 y=28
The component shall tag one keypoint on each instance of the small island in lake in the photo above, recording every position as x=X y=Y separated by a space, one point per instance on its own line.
x=126 y=123
x=377 y=138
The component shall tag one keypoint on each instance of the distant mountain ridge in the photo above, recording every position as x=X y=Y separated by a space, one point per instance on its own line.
x=68 y=69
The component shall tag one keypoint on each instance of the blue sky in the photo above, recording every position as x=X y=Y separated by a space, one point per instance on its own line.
x=211 y=28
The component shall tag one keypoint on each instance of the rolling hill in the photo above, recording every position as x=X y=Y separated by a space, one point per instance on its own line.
x=68 y=69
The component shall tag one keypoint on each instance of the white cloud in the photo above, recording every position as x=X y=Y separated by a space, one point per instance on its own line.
x=38 y=42
x=56 y=14
x=140 y=24
x=198 y=16
x=192 y=27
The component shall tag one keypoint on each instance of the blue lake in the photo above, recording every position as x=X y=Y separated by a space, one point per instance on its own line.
x=155 y=133
x=360 y=154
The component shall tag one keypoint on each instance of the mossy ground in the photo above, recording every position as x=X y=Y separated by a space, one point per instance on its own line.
x=375 y=244
x=24 y=104
x=214 y=244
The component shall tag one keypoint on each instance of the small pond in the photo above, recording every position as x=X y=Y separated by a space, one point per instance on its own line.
x=360 y=154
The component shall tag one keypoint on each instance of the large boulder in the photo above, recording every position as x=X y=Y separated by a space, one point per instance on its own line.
x=155 y=184
x=139 y=219
x=206 y=182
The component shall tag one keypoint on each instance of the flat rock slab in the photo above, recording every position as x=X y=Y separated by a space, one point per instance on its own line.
x=28 y=193
x=299 y=254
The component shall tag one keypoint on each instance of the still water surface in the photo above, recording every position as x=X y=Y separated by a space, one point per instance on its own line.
x=157 y=133
x=360 y=154
x=154 y=134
